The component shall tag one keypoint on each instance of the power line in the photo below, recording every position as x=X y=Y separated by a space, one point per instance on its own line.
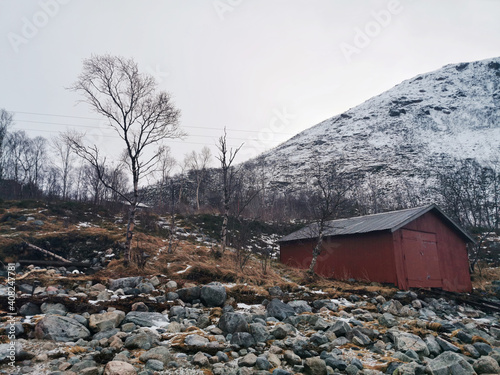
x=97 y=127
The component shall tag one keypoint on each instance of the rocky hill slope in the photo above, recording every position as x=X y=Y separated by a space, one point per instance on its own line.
x=407 y=132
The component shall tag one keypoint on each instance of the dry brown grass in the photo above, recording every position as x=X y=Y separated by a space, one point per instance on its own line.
x=483 y=276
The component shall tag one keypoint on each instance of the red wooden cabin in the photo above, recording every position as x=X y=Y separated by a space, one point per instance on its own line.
x=414 y=248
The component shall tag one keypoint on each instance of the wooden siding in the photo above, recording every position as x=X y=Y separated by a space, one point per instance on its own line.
x=452 y=253
x=363 y=257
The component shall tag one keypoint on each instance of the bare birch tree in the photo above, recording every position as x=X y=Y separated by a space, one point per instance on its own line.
x=140 y=115
x=226 y=157
x=197 y=164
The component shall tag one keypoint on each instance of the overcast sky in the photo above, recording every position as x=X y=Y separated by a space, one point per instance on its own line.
x=265 y=69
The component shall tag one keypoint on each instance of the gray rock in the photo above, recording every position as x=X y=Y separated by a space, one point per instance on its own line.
x=336 y=363
x=472 y=351
x=242 y=339
x=259 y=332
x=486 y=365
x=280 y=331
x=263 y=364
x=125 y=282
x=314 y=366
x=248 y=361
x=482 y=348
x=171 y=296
x=291 y=358
x=171 y=285
x=139 y=341
x=154 y=365
x=318 y=339
x=351 y=370
x=449 y=363
x=189 y=294
x=196 y=342
x=447 y=346
x=279 y=310
x=60 y=328
x=146 y=319
x=16 y=353
x=105 y=334
x=387 y=320
x=318 y=304
x=29 y=309
x=275 y=291
x=213 y=294
x=53 y=308
x=200 y=359
x=280 y=371
x=340 y=328
x=160 y=353
x=80 y=366
x=404 y=341
x=106 y=321
x=145 y=287
x=432 y=345
x=300 y=306
x=233 y=322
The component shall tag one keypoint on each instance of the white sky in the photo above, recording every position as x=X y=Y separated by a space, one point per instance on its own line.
x=235 y=63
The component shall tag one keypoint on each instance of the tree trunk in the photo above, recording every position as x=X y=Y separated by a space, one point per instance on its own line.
x=131 y=223
x=317 y=249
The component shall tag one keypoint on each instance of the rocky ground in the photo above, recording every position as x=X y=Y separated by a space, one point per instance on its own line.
x=149 y=326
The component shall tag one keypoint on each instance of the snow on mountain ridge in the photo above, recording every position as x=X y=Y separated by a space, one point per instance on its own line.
x=422 y=123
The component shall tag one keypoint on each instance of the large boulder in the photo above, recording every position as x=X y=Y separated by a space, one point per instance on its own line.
x=160 y=353
x=486 y=365
x=125 y=282
x=449 y=363
x=279 y=310
x=53 y=308
x=213 y=294
x=314 y=366
x=189 y=294
x=29 y=309
x=146 y=319
x=231 y=322
x=60 y=328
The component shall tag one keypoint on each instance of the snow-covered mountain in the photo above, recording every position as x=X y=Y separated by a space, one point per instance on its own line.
x=406 y=132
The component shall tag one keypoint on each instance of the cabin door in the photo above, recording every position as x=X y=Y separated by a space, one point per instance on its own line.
x=421 y=259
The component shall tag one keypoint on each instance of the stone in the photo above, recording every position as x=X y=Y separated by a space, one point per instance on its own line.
x=29 y=309
x=213 y=295
x=172 y=296
x=200 y=359
x=263 y=364
x=60 y=328
x=189 y=294
x=291 y=358
x=482 y=348
x=90 y=371
x=119 y=368
x=281 y=331
x=171 y=285
x=53 y=308
x=140 y=306
x=259 y=332
x=146 y=319
x=314 y=366
x=139 y=341
x=248 y=361
x=351 y=370
x=300 y=306
x=79 y=366
x=404 y=341
x=447 y=346
x=318 y=304
x=280 y=371
x=486 y=365
x=242 y=339
x=340 y=328
x=279 y=310
x=154 y=365
x=432 y=345
x=387 y=320
x=449 y=363
x=145 y=287
x=336 y=363
x=196 y=342
x=275 y=291
x=160 y=353
x=231 y=322
x=125 y=282
x=106 y=321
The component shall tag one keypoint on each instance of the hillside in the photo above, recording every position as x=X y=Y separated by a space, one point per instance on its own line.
x=407 y=132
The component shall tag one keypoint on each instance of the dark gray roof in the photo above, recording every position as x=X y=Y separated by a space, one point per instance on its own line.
x=392 y=221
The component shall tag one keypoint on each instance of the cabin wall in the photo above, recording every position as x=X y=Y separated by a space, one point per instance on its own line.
x=451 y=252
x=362 y=257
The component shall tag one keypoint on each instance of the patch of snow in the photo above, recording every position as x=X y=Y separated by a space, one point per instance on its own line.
x=188 y=267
